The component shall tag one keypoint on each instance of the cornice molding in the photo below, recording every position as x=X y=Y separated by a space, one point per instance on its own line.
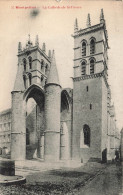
x=88 y=76
x=88 y=30
x=92 y=76
x=35 y=70
x=101 y=53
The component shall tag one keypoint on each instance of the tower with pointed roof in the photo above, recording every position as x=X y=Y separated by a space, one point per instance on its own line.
x=33 y=70
x=37 y=78
x=90 y=89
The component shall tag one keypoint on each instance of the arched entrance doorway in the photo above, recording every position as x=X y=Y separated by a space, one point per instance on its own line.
x=34 y=99
x=27 y=128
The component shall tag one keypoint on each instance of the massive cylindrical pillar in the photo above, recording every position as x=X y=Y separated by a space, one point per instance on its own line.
x=18 y=131
x=52 y=119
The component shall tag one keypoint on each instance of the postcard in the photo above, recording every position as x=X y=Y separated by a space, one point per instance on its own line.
x=61 y=97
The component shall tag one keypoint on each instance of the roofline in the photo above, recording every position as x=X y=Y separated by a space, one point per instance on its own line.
x=92 y=28
x=33 y=49
x=5 y=111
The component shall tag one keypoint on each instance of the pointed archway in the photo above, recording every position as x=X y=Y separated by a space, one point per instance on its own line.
x=34 y=98
x=19 y=122
x=65 y=129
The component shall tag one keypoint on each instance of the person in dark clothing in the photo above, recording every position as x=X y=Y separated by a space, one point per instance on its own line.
x=116 y=155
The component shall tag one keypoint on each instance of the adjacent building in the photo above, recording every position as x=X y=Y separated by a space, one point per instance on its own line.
x=5 y=131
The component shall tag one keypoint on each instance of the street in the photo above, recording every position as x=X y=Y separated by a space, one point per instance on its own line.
x=88 y=179
x=108 y=183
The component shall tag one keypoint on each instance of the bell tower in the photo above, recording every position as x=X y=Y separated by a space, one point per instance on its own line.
x=33 y=68
x=90 y=48
x=35 y=62
x=90 y=90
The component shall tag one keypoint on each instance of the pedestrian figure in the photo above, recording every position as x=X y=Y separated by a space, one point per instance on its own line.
x=116 y=156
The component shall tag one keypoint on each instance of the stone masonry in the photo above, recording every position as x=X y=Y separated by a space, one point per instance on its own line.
x=76 y=124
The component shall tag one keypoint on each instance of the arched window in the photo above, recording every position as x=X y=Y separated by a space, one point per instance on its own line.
x=24 y=79
x=42 y=78
x=46 y=67
x=83 y=68
x=92 y=46
x=92 y=62
x=42 y=64
x=86 y=131
x=30 y=79
x=84 y=49
x=30 y=62
x=24 y=64
x=27 y=137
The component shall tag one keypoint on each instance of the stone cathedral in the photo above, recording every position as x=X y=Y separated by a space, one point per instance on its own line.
x=64 y=124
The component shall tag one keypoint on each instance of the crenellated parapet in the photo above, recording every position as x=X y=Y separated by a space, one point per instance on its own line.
x=91 y=28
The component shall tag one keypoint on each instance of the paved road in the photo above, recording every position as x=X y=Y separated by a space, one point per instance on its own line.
x=108 y=183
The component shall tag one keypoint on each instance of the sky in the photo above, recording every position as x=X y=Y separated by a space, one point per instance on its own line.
x=54 y=26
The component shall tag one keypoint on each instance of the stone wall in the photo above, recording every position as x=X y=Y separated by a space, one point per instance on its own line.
x=82 y=114
x=104 y=120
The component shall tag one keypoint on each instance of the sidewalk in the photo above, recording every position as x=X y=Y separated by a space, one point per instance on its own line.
x=37 y=165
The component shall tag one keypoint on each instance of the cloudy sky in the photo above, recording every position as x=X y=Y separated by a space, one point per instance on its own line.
x=55 y=27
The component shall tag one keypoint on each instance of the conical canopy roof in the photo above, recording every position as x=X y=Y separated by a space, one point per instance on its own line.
x=19 y=83
x=53 y=77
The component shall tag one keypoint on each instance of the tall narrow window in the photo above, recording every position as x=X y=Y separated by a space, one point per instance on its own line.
x=42 y=81
x=90 y=106
x=24 y=79
x=87 y=88
x=30 y=79
x=86 y=131
x=42 y=64
x=83 y=68
x=24 y=63
x=27 y=137
x=41 y=78
x=92 y=46
x=46 y=67
x=83 y=49
x=92 y=66
x=30 y=62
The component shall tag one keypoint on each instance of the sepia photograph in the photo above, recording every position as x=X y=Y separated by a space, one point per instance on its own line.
x=61 y=97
